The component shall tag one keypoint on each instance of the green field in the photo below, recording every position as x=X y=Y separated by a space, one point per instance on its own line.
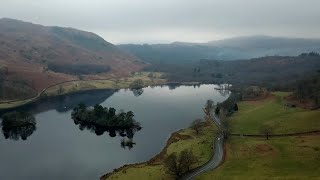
x=278 y=158
x=273 y=112
x=200 y=144
x=286 y=158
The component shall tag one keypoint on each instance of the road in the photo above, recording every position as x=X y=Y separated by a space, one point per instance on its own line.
x=215 y=160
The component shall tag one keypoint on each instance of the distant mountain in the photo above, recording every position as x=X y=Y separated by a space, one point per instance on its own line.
x=228 y=49
x=258 y=46
x=41 y=56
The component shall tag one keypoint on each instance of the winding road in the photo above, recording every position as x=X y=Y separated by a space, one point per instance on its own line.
x=215 y=160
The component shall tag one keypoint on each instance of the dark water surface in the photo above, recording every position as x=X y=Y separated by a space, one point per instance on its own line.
x=58 y=149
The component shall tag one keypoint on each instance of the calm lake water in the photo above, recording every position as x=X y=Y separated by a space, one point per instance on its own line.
x=58 y=149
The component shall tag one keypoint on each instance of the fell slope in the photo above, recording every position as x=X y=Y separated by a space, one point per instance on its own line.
x=28 y=51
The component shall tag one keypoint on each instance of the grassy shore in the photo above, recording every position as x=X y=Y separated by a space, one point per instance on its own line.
x=75 y=86
x=273 y=112
x=295 y=157
x=200 y=144
x=14 y=104
x=113 y=83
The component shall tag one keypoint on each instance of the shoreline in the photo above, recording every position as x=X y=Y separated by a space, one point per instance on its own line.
x=94 y=84
x=157 y=160
x=151 y=161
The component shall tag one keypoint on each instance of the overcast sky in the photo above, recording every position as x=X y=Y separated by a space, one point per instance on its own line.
x=163 y=21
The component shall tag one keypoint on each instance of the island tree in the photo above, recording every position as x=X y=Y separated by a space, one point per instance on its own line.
x=101 y=119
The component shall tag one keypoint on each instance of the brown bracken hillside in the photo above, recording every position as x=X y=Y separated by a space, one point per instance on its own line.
x=39 y=56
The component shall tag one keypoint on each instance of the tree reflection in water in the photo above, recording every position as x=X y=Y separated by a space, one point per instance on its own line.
x=16 y=133
x=137 y=92
x=113 y=132
x=18 y=124
x=127 y=143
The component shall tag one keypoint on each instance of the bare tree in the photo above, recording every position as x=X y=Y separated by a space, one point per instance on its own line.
x=178 y=165
x=208 y=109
x=60 y=90
x=226 y=127
x=151 y=76
x=172 y=165
x=196 y=125
x=186 y=159
x=266 y=131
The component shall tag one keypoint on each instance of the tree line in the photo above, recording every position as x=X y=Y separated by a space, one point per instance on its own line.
x=271 y=72
x=78 y=69
x=308 y=88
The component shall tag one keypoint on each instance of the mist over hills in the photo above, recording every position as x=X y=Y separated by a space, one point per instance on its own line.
x=228 y=49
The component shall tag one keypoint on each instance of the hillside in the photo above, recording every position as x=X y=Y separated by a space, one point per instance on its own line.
x=39 y=56
x=274 y=72
x=285 y=157
x=227 y=49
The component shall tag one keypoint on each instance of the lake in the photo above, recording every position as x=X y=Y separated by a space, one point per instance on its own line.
x=58 y=149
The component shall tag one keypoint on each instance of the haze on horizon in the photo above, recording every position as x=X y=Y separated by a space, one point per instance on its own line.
x=164 y=21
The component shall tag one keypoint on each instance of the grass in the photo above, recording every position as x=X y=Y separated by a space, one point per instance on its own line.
x=200 y=144
x=277 y=158
x=296 y=157
x=273 y=112
x=8 y=105
x=138 y=172
x=70 y=87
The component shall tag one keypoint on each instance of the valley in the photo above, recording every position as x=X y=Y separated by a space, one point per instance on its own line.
x=163 y=90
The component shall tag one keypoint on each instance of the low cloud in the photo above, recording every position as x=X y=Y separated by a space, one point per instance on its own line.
x=145 y=21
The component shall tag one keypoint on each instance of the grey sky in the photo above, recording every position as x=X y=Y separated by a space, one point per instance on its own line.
x=154 y=21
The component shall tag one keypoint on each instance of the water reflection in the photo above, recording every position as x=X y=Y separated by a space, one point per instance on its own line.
x=66 y=102
x=113 y=132
x=137 y=92
x=16 y=133
x=16 y=125
x=127 y=143
x=173 y=86
x=100 y=130
x=60 y=104
x=224 y=93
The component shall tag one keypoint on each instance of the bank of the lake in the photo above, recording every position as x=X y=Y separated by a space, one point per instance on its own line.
x=73 y=86
x=200 y=144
